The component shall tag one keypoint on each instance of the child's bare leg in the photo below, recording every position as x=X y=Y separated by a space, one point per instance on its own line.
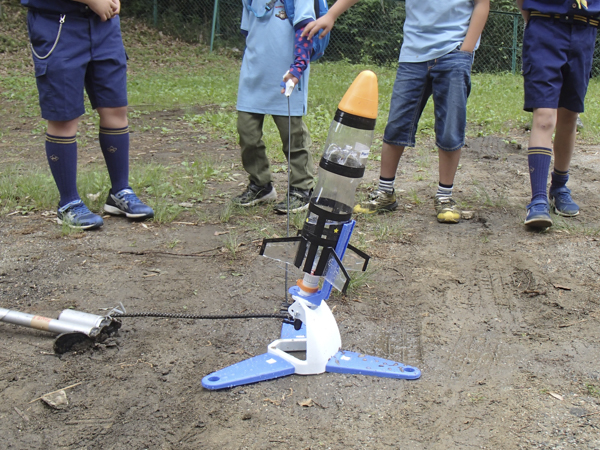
x=564 y=139
x=390 y=158
x=446 y=209
x=564 y=143
x=63 y=129
x=542 y=127
x=448 y=166
x=113 y=117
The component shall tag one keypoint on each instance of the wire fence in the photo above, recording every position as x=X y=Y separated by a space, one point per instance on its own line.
x=369 y=32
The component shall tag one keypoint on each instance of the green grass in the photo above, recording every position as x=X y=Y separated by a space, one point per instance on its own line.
x=24 y=189
x=165 y=74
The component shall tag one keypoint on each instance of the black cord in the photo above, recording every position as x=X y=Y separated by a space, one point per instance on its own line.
x=201 y=316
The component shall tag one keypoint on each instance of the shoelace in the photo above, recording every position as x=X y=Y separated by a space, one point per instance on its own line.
x=76 y=208
x=131 y=198
x=538 y=207
x=564 y=196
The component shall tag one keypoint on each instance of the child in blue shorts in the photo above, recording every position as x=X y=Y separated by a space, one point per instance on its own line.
x=558 y=47
x=77 y=45
x=274 y=49
x=435 y=60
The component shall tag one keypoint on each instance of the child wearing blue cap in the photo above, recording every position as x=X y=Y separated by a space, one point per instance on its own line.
x=76 y=46
x=558 y=47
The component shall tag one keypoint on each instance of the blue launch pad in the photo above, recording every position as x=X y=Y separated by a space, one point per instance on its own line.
x=267 y=366
x=259 y=368
x=358 y=364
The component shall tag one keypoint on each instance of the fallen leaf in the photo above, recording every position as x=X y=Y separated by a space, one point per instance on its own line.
x=564 y=288
x=219 y=233
x=306 y=402
x=556 y=396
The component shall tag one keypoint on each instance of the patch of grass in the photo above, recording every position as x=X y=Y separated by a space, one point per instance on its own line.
x=227 y=211
x=593 y=390
x=26 y=188
x=231 y=243
x=414 y=196
x=358 y=280
x=388 y=229
x=574 y=226
x=163 y=188
x=67 y=231
x=482 y=195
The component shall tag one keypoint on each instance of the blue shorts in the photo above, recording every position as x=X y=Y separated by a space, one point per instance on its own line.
x=557 y=63
x=85 y=52
x=448 y=79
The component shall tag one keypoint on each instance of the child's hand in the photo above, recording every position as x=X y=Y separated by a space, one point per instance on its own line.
x=106 y=9
x=116 y=6
x=324 y=23
x=288 y=76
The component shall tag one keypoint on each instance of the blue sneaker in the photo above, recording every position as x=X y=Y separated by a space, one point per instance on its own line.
x=538 y=215
x=76 y=215
x=126 y=203
x=561 y=201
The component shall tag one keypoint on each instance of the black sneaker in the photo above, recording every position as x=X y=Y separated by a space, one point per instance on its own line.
x=299 y=200
x=256 y=194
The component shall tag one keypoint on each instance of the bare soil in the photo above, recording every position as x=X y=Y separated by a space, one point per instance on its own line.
x=503 y=322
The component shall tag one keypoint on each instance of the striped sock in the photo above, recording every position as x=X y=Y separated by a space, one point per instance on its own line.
x=62 y=157
x=539 y=164
x=114 y=143
x=559 y=179
x=386 y=185
x=444 y=190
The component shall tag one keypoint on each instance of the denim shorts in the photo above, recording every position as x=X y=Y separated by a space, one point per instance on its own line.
x=557 y=63
x=84 y=53
x=448 y=79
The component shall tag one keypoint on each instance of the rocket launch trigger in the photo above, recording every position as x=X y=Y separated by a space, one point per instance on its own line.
x=320 y=251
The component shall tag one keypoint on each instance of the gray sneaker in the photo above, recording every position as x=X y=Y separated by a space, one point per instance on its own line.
x=256 y=194
x=379 y=201
x=299 y=200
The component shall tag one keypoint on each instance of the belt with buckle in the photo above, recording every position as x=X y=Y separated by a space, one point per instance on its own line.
x=567 y=18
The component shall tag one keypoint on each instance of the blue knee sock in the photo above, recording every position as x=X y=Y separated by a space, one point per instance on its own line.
x=62 y=158
x=539 y=164
x=114 y=143
x=559 y=179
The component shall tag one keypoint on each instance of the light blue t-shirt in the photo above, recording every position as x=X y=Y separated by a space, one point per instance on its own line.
x=268 y=55
x=434 y=28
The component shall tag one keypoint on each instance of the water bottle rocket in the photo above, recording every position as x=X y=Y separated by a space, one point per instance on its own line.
x=320 y=252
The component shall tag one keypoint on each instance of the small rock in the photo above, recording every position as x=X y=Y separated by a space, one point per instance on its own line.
x=56 y=400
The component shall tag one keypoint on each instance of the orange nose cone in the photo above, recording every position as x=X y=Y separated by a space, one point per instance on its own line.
x=361 y=98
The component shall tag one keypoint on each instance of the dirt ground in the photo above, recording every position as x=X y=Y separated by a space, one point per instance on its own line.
x=502 y=321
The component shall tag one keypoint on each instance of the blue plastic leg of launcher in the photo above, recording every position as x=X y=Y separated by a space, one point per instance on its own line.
x=288 y=331
x=259 y=368
x=358 y=364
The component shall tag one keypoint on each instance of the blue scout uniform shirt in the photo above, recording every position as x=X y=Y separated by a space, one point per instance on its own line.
x=434 y=28
x=56 y=6
x=268 y=55
x=580 y=7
